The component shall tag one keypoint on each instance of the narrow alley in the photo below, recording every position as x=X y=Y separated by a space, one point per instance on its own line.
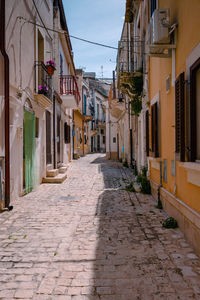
x=89 y=238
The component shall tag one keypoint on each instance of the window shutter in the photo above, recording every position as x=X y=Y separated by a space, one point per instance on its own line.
x=180 y=117
x=154 y=130
x=147 y=133
x=194 y=130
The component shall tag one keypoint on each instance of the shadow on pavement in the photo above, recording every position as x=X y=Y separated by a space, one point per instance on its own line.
x=115 y=267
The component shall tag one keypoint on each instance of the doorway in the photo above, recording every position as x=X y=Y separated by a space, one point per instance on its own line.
x=29 y=172
x=48 y=138
x=58 y=139
x=98 y=143
x=92 y=144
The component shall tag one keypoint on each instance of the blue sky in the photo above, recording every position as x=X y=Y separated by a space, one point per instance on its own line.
x=100 y=21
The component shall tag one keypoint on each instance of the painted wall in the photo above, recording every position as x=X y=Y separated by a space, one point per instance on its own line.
x=21 y=45
x=78 y=122
x=187 y=39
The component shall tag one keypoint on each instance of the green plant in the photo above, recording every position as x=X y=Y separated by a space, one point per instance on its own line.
x=131 y=84
x=144 y=170
x=130 y=188
x=125 y=164
x=139 y=178
x=145 y=186
x=143 y=181
x=120 y=160
x=136 y=105
x=135 y=171
x=170 y=223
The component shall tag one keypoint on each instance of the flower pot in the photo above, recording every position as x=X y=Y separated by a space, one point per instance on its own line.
x=50 y=70
x=43 y=93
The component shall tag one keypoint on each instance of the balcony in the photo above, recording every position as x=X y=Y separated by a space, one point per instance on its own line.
x=43 y=85
x=69 y=92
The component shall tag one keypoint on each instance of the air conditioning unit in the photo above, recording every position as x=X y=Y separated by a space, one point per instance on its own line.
x=160 y=26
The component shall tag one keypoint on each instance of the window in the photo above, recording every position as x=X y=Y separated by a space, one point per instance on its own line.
x=102 y=131
x=84 y=105
x=195 y=111
x=153 y=6
x=104 y=139
x=97 y=111
x=154 y=130
x=114 y=140
x=180 y=117
x=147 y=133
x=67 y=133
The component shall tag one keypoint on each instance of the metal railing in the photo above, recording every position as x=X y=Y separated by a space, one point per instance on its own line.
x=43 y=81
x=69 y=86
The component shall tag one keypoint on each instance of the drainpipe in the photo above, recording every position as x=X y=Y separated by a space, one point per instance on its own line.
x=54 y=132
x=73 y=139
x=6 y=94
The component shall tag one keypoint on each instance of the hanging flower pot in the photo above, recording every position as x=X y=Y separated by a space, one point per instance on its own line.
x=50 y=70
x=43 y=90
x=51 y=67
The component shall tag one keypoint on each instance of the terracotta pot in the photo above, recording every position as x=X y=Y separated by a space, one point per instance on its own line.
x=50 y=70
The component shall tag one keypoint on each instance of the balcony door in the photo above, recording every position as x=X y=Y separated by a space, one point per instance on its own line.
x=98 y=143
x=40 y=57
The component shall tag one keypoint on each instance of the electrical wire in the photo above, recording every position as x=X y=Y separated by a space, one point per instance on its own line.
x=78 y=38
x=41 y=19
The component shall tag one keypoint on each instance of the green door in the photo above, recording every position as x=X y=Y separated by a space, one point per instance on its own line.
x=29 y=151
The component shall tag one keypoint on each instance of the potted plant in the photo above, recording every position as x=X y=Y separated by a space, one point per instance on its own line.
x=42 y=89
x=51 y=67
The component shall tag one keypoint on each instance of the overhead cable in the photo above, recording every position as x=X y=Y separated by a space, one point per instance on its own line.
x=78 y=38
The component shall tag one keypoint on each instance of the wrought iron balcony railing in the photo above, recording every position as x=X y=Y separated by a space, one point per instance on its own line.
x=69 y=86
x=43 y=81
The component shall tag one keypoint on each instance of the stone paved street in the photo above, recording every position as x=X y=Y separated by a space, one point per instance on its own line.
x=88 y=238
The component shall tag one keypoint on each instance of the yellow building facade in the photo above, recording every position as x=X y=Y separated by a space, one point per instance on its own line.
x=78 y=134
x=174 y=114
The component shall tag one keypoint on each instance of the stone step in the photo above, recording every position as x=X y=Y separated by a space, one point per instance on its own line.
x=52 y=173
x=62 y=170
x=61 y=165
x=49 y=167
x=57 y=179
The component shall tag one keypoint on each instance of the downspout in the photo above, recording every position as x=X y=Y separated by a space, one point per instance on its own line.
x=54 y=132
x=7 y=115
x=73 y=138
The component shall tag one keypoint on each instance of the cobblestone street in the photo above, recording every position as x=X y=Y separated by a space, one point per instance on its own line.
x=88 y=238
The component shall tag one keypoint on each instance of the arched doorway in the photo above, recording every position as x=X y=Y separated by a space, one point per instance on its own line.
x=29 y=172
